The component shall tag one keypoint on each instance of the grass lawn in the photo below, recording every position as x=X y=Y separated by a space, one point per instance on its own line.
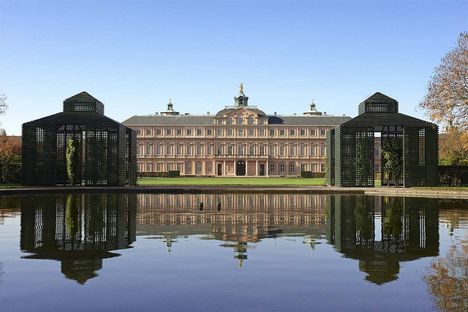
x=231 y=181
x=6 y=186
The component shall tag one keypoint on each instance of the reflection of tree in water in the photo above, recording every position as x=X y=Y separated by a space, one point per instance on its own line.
x=448 y=280
x=392 y=223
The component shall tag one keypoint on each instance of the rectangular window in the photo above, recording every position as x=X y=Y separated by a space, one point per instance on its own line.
x=219 y=132
x=149 y=167
x=208 y=167
x=292 y=151
x=158 y=132
x=139 y=132
x=323 y=150
x=272 y=132
x=262 y=150
x=313 y=132
x=271 y=168
x=303 y=149
x=189 y=149
x=282 y=132
x=168 y=131
x=323 y=132
x=261 y=132
x=199 y=132
x=179 y=150
x=209 y=132
x=292 y=132
x=199 y=150
x=240 y=132
x=159 y=167
x=148 y=132
x=303 y=167
x=189 y=132
x=251 y=132
x=272 y=150
x=422 y=147
x=209 y=149
x=179 y=132
x=313 y=151
x=229 y=132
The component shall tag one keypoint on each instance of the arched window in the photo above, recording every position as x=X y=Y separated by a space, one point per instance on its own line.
x=240 y=120
x=282 y=168
x=240 y=149
x=229 y=121
x=250 y=120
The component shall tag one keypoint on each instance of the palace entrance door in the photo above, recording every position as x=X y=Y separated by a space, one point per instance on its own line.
x=240 y=168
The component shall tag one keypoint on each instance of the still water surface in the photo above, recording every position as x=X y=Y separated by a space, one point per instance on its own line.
x=235 y=252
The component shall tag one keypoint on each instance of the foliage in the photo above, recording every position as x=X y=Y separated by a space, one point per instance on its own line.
x=71 y=215
x=392 y=156
x=10 y=158
x=448 y=281
x=451 y=151
x=312 y=175
x=446 y=101
x=392 y=223
x=72 y=159
x=453 y=175
x=364 y=219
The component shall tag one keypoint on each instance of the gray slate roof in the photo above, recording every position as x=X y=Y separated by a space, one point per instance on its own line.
x=194 y=120
x=386 y=119
x=82 y=97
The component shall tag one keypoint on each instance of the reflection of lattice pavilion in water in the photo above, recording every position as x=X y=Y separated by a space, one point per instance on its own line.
x=106 y=148
x=351 y=150
x=408 y=231
x=79 y=234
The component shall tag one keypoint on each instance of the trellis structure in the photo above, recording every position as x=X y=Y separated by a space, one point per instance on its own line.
x=350 y=147
x=106 y=149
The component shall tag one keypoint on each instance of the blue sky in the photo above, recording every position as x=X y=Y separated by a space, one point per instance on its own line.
x=134 y=55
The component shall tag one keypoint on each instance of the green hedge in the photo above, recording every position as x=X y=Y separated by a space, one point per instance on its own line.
x=310 y=174
x=10 y=173
x=165 y=174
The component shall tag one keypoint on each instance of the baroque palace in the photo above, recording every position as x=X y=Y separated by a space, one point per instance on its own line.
x=240 y=140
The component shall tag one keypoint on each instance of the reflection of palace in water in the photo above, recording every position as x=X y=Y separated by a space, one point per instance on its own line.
x=381 y=232
x=82 y=230
x=78 y=230
x=236 y=219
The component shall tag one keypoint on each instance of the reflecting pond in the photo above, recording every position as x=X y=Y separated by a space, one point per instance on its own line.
x=232 y=252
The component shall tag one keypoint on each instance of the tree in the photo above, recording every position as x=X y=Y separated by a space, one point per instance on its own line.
x=446 y=100
x=392 y=156
x=10 y=158
x=451 y=152
x=448 y=281
x=72 y=160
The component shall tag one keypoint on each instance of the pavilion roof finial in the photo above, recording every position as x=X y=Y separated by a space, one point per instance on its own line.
x=241 y=87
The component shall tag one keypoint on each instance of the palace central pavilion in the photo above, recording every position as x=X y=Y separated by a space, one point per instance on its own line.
x=240 y=140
